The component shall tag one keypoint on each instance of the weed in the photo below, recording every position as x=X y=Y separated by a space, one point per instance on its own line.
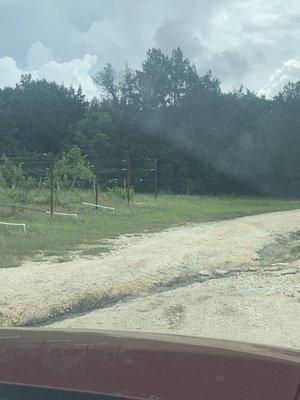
x=59 y=237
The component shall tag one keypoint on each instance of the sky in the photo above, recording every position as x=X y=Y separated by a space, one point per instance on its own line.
x=254 y=43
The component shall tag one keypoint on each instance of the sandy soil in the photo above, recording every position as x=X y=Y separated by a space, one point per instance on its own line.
x=223 y=258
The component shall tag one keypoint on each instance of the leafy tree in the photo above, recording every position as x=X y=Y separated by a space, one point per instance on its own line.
x=206 y=141
x=39 y=116
x=108 y=80
x=12 y=175
x=73 y=168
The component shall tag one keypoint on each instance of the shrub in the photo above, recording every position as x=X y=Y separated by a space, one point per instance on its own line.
x=73 y=169
x=13 y=176
x=120 y=193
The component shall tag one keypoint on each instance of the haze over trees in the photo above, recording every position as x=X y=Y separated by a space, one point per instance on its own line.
x=205 y=140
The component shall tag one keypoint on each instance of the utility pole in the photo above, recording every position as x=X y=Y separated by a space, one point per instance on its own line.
x=51 y=184
x=155 y=178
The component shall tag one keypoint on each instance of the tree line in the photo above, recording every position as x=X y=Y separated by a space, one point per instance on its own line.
x=205 y=141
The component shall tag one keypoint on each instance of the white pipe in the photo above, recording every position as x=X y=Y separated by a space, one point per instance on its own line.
x=64 y=214
x=97 y=205
x=13 y=224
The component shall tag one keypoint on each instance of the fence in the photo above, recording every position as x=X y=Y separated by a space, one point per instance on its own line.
x=129 y=173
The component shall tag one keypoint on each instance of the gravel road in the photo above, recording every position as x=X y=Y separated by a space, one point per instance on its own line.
x=251 y=307
x=212 y=279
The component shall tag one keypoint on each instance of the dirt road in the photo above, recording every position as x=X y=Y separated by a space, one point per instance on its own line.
x=252 y=307
x=215 y=279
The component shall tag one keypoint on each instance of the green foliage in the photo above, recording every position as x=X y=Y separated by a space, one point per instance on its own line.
x=117 y=192
x=108 y=79
x=206 y=141
x=17 y=195
x=12 y=175
x=62 y=236
x=2 y=179
x=72 y=169
x=97 y=133
x=39 y=116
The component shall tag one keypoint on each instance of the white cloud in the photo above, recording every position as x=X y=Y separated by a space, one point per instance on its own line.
x=250 y=37
x=104 y=34
x=38 y=54
x=72 y=73
x=10 y=74
x=263 y=31
x=289 y=72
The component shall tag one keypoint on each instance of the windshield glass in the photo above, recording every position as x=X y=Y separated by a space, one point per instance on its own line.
x=149 y=167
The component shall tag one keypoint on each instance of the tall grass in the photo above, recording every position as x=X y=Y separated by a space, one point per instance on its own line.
x=60 y=236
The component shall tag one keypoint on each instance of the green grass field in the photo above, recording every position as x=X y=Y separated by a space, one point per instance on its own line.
x=61 y=237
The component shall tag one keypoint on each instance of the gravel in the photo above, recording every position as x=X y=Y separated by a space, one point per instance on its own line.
x=248 y=307
x=216 y=253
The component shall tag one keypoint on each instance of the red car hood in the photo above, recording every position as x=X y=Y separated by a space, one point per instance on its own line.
x=148 y=366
